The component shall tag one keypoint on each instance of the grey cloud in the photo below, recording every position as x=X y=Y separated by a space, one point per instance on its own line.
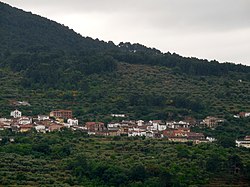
x=179 y=11
x=201 y=14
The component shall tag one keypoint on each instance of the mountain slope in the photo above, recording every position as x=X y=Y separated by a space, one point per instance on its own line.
x=23 y=31
x=52 y=67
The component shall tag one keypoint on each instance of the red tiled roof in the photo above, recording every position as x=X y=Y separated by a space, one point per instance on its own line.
x=156 y=121
x=27 y=126
x=195 y=134
x=94 y=123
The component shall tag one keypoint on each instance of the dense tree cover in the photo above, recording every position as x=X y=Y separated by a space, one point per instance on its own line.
x=139 y=54
x=73 y=158
x=52 y=67
x=136 y=90
x=56 y=70
x=24 y=33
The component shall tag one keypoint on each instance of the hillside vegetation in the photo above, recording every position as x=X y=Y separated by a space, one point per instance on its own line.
x=52 y=67
x=72 y=158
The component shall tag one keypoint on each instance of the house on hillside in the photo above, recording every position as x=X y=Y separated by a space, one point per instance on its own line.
x=244 y=114
x=5 y=121
x=114 y=131
x=140 y=122
x=124 y=131
x=128 y=122
x=54 y=127
x=25 y=128
x=210 y=139
x=111 y=125
x=212 y=122
x=65 y=114
x=247 y=138
x=118 y=115
x=72 y=122
x=24 y=120
x=136 y=133
x=42 y=117
x=176 y=125
x=16 y=114
x=243 y=143
x=95 y=126
x=195 y=136
x=22 y=103
x=158 y=125
x=40 y=128
x=177 y=135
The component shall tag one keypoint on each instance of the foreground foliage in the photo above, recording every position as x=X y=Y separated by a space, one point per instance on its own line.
x=73 y=158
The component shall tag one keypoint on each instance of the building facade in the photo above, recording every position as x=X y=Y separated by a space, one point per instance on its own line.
x=16 y=114
x=66 y=114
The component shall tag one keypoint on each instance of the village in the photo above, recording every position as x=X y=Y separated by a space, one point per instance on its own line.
x=175 y=131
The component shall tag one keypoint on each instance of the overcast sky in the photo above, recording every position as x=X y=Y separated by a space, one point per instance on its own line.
x=211 y=29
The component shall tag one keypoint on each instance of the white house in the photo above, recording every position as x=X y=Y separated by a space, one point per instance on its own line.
x=247 y=114
x=40 y=128
x=42 y=117
x=150 y=127
x=140 y=122
x=72 y=122
x=5 y=121
x=176 y=125
x=210 y=139
x=244 y=114
x=111 y=125
x=118 y=115
x=162 y=127
x=24 y=120
x=16 y=114
x=243 y=143
x=136 y=133
x=157 y=125
x=236 y=116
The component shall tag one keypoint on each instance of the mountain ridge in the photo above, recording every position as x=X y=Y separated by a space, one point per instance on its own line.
x=76 y=40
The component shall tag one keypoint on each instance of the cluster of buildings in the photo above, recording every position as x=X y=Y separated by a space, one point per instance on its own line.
x=176 y=131
x=41 y=123
x=173 y=131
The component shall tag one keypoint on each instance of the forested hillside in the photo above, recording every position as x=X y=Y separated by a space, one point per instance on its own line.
x=52 y=66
